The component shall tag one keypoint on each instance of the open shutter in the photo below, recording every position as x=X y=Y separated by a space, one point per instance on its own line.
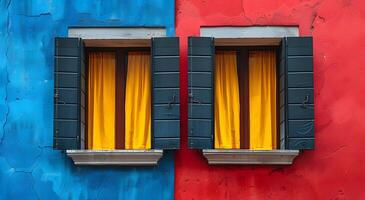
x=296 y=93
x=201 y=75
x=165 y=93
x=69 y=94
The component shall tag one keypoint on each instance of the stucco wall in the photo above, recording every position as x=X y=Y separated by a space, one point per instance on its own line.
x=29 y=167
x=335 y=169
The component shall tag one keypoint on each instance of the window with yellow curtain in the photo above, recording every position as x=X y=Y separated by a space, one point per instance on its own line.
x=101 y=101
x=115 y=104
x=262 y=99
x=259 y=93
x=226 y=104
x=138 y=101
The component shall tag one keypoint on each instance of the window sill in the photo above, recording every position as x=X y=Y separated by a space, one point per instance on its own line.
x=115 y=157
x=249 y=157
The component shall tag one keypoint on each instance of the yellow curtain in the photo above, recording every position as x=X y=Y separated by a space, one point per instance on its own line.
x=138 y=101
x=262 y=99
x=227 y=102
x=101 y=101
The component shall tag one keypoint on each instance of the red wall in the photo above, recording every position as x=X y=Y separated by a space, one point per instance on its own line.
x=336 y=168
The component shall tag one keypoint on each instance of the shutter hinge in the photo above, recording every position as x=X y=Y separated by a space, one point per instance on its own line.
x=173 y=101
x=56 y=95
x=56 y=99
x=192 y=99
x=305 y=101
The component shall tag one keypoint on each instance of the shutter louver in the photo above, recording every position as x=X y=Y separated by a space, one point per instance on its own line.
x=69 y=94
x=165 y=93
x=201 y=74
x=296 y=94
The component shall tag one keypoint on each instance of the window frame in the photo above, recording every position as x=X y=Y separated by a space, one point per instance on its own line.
x=121 y=61
x=242 y=61
x=68 y=138
x=279 y=156
x=116 y=156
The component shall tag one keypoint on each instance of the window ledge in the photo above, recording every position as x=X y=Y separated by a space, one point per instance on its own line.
x=115 y=157
x=249 y=157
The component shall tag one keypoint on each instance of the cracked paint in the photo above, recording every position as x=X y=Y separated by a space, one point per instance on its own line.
x=29 y=167
x=334 y=170
x=4 y=79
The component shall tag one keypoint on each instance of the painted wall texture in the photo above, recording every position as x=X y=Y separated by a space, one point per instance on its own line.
x=335 y=169
x=29 y=167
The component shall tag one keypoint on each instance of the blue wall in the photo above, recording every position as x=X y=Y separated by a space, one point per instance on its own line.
x=29 y=167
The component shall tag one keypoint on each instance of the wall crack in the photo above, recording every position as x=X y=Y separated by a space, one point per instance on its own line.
x=8 y=5
x=7 y=75
x=39 y=15
x=244 y=13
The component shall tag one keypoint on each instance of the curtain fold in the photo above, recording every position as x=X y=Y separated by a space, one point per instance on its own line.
x=262 y=100
x=138 y=101
x=226 y=102
x=101 y=101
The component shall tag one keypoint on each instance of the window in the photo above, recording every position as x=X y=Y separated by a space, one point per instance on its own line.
x=119 y=85
x=124 y=96
x=238 y=120
x=245 y=96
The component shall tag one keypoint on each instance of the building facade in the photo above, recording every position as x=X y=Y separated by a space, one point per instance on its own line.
x=32 y=169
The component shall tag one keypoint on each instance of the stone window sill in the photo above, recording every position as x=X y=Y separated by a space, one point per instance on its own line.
x=249 y=157
x=115 y=157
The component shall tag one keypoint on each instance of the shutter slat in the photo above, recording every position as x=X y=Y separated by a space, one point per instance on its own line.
x=200 y=143
x=164 y=96
x=300 y=64
x=300 y=112
x=166 y=111
x=67 y=111
x=200 y=111
x=166 y=80
x=69 y=92
x=200 y=46
x=166 y=64
x=203 y=94
x=296 y=97
x=301 y=129
x=165 y=93
x=301 y=143
x=300 y=80
x=200 y=79
x=67 y=95
x=166 y=143
x=67 y=64
x=200 y=82
x=200 y=128
x=167 y=128
x=66 y=143
x=66 y=127
x=72 y=52
x=67 y=80
x=203 y=63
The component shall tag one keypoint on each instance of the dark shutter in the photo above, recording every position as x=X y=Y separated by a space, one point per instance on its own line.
x=201 y=76
x=69 y=94
x=165 y=93
x=296 y=93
